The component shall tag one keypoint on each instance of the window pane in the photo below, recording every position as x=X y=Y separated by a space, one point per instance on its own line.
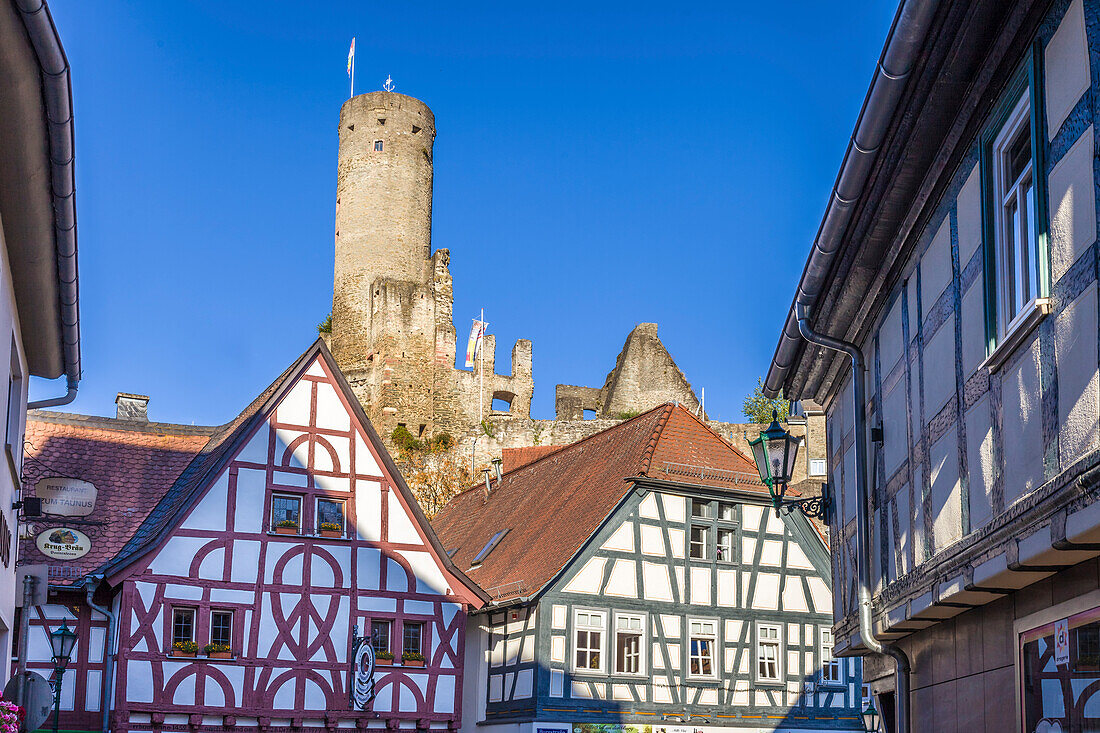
x=221 y=627
x=628 y=653
x=183 y=625
x=725 y=511
x=285 y=509
x=698 y=544
x=380 y=636
x=700 y=508
x=411 y=639
x=330 y=515
x=1018 y=155
x=725 y=545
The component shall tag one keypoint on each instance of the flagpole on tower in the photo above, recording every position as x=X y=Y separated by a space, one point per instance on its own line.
x=351 y=65
x=481 y=385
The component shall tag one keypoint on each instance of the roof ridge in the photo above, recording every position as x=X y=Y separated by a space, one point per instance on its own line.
x=103 y=422
x=479 y=484
x=720 y=437
x=647 y=454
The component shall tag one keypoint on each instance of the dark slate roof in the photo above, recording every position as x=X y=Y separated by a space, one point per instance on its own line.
x=554 y=504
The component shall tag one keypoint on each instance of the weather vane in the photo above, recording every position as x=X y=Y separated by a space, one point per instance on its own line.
x=388 y=84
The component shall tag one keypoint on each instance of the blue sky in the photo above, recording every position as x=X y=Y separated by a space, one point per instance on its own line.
x=595 y=167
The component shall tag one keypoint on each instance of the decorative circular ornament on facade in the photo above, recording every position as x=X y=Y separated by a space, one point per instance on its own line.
x=63 y=543
x=66 y=497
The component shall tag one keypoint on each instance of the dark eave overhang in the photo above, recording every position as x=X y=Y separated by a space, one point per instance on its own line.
x=37 y=187
x=940 y=70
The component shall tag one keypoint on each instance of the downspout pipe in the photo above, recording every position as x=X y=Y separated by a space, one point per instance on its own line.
x=863 y=522
x=68 y=397
x=90 y=585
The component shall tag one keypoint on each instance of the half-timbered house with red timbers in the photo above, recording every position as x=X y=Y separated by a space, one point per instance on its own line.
x=272 y=574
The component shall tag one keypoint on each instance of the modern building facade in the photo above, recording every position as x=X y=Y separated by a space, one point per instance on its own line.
x=639 y=579
x=39 y=321
x=270 y=574
x=958 y=260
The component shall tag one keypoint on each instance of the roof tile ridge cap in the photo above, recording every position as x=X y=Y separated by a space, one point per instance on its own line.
x=651 y=446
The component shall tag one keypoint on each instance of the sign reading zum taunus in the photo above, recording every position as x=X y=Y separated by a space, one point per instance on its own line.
x=66 y=497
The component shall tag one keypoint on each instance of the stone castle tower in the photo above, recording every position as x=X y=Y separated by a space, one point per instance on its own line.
x=393 y=331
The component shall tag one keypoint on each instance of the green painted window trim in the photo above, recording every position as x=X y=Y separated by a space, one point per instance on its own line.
x=1028 y=76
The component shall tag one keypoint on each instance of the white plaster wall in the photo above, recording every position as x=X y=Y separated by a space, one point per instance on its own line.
x=1075 y=349
x=9 y=484
x=1023 y=433
x=939 y=369
x=946 y=491
x=1072 y=205
x=895 y=445
x=1066 y=65
x=890 y=339
x=979 y=462
x=972 y=322
x=969 y=209
x=935 y=267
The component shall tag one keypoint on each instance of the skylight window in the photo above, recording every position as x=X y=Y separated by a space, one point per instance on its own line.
x=493 y=542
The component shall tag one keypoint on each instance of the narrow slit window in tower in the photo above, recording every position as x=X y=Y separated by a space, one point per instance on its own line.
x=415 y=129
x=378 y=145
x=381 y=120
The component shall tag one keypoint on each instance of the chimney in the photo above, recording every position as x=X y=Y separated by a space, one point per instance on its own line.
x=132 y=407
x=488 y=488
x=497 y=469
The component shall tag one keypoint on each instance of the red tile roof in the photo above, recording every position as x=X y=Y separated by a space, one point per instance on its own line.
x=553 y=504
x=131 y=465
x=517 y=457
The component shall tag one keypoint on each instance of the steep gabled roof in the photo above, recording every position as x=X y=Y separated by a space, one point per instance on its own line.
x=551 y=506
x=222 y=446
x=131 y=464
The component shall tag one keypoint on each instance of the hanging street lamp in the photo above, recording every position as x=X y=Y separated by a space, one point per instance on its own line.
x=870 y=718
x=62 y=643
x=774 y=452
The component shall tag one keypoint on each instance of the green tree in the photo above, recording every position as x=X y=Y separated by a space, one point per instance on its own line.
x=758 y=408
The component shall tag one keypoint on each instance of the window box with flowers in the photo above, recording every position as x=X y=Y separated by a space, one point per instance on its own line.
x=331 y=529
x=218 y=651
x=412 y=659
x=286 y=526
x=185 y=649
x=384 y=659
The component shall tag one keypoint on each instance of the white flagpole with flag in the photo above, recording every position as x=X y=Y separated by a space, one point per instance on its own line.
x=351 y=65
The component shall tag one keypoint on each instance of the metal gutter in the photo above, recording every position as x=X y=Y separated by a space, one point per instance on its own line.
x=58 y=98
x=863 y=521
x=903 y=44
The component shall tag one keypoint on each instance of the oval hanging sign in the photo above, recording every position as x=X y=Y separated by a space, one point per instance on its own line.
x=63 y=543
x=66 y=497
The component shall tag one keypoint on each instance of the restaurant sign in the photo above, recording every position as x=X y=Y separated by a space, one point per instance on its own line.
x=63 y=543
x=66 y=497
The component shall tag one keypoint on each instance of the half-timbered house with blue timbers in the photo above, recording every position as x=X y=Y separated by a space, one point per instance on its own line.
x=220 y=574
x=639 y=577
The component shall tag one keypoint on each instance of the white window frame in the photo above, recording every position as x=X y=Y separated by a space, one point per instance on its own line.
x=831 y=668
x=283 y=495
x=818 y=467
x=343 y=513
x=601 y=650
x=731 y=557
x=777 y=642
x=707 y=539
x=712 y=636
x=1023 y=255
x=643 y=642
